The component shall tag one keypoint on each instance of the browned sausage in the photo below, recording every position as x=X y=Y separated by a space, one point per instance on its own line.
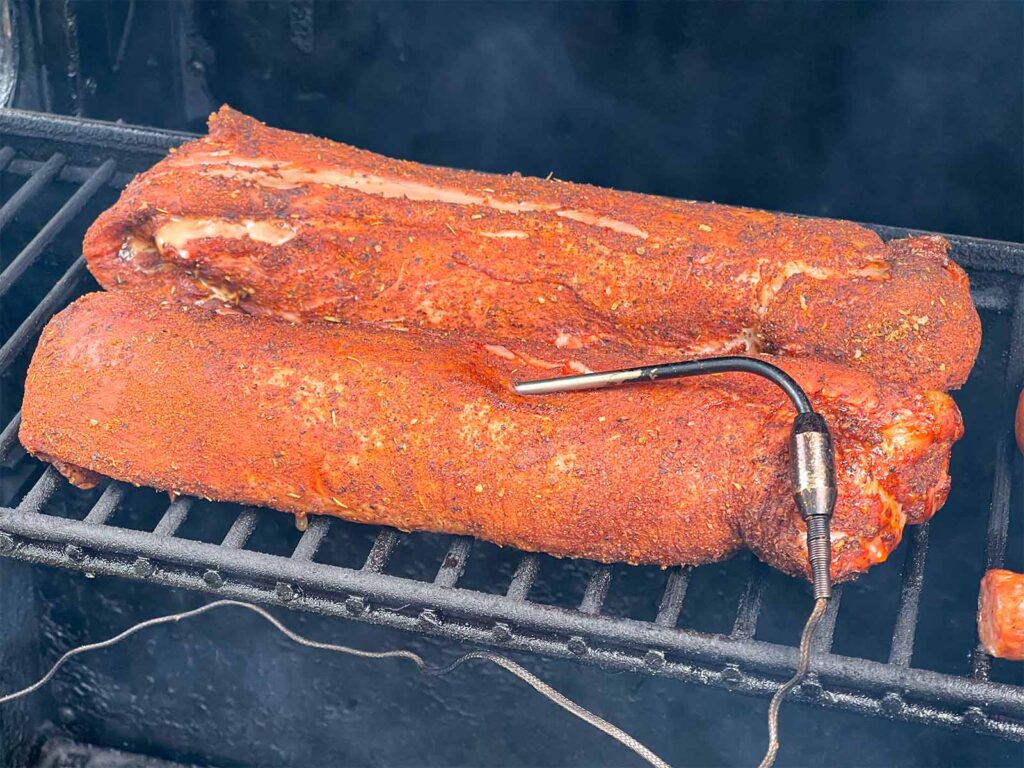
x=1001 y=614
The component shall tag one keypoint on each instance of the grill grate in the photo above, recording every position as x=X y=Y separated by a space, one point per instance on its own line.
x=98 y=158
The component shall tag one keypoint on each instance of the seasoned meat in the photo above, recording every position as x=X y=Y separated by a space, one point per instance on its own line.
x=1001 y=614
x=269 y=222
x=424 y=432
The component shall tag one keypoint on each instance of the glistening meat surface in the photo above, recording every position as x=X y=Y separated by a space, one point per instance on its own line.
x=425 y=433
x=1001 y=614
x=275 y=223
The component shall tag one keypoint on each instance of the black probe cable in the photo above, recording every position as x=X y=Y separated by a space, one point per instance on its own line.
x=812 y=472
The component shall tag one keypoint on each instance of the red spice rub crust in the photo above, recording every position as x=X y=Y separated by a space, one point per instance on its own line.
x=1001 y=614
x=270 y=222
x=423 y=432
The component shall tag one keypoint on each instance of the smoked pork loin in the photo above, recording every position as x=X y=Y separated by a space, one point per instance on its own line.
x=275 y=223
x=423 y=432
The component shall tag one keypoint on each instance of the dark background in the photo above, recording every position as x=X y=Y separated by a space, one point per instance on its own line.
x=907 y=114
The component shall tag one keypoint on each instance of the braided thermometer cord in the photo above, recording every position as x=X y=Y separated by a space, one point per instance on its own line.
x=508 y=665
x=803 y=663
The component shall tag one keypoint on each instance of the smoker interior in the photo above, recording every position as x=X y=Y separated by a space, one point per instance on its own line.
x=899 y=643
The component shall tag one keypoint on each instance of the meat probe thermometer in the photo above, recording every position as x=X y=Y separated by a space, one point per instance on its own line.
x=812 y=473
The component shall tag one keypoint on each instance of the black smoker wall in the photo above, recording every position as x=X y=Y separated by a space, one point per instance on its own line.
x=899 y=113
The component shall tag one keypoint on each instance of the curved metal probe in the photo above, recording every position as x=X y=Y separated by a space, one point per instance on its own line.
x=812 y=475
x=679 y=370
x=507 y=664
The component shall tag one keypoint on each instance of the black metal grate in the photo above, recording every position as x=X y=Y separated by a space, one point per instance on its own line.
x=112 y=534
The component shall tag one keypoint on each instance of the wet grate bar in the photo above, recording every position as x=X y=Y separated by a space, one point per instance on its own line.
x=56 y=225
x=750 y=602
x=597 y=590
x=47 y=308
x=454 y=564
x=902 y=647
x=35 y=184
x=312 y=538
x=107 y=504
x=523 y=578
x=672 y=598
x=380 y=552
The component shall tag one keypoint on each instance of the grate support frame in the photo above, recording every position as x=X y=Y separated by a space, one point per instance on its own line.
x=93 y=155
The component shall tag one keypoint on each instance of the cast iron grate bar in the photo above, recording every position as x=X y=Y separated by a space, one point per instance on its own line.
x=56 y=225
x=35 y=183
x=902 y=647
x=380 y=552
x=522 y=580
x=69 y=174
x=821 y=645
x=454 y=563
x=476 y=617
x=107 y=504
x=827 y=627
x=41 y=492
x=597 y=590
x=241 y=529
x=999 y=517
x=999 y=511
x=671 y=604
x=47 y=308
x=750 y=601
x=510 y=620
x=174 y=517
x=6 y=155
x=9 y=436
x=312 y=538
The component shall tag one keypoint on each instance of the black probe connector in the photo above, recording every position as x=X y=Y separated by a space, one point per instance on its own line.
x=812 y=460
